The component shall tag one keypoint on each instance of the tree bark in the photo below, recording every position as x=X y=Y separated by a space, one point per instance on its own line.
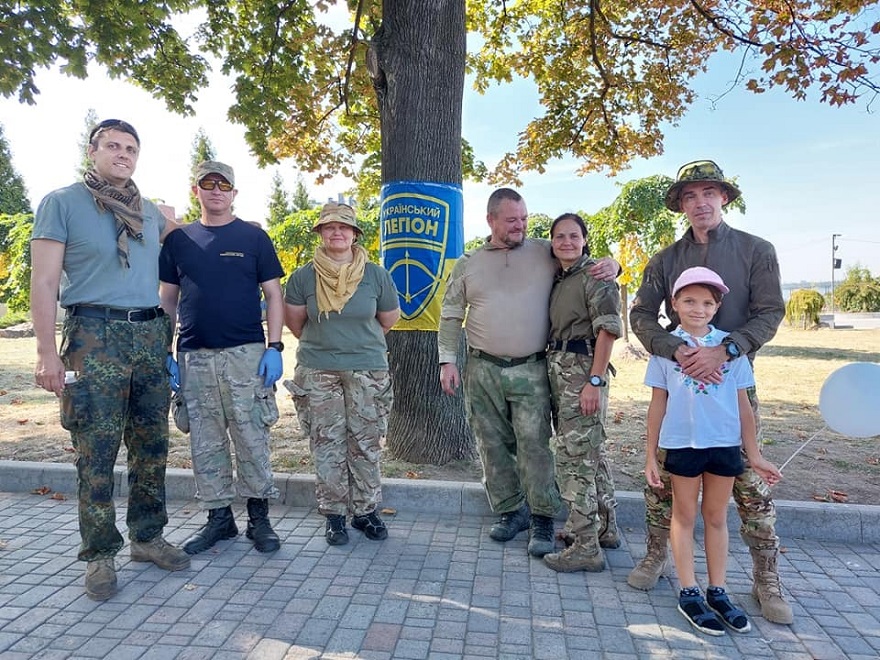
x=420 y=51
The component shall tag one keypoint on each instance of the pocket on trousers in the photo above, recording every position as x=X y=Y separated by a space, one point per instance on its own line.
x=179 y=412
x=76 y=406
x=267 y=408
x=301 y=403
x=384 y=401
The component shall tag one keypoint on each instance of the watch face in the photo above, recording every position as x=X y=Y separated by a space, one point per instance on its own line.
x=732 y=350
x=595 y=381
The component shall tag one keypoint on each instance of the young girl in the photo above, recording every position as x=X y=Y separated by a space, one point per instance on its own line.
x=702 y=427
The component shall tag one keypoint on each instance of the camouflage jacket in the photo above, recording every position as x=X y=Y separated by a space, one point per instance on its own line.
x=581 y=305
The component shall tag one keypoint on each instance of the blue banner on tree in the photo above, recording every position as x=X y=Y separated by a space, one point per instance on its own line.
x=422 y=236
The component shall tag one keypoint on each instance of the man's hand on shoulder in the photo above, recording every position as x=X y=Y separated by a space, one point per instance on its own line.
x=605 y=269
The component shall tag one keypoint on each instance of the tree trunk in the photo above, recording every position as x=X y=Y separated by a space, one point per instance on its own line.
x=420 y=51
x=624 y=311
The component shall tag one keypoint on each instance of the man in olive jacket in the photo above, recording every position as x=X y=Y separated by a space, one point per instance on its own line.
x=751 y=313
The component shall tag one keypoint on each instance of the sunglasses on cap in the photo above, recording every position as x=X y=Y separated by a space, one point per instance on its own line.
x=114 y=124
x=210 y=184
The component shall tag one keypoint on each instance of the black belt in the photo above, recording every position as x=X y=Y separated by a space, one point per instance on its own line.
x=506 y=362
x=581 y=346
x=116 y=314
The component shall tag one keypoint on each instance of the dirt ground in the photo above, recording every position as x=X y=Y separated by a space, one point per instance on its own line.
x=790 y=372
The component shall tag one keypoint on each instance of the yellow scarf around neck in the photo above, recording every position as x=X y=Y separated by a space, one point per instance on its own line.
x=335 y=283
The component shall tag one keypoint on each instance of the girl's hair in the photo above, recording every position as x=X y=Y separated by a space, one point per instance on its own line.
x=716 y=294
x=579 y=221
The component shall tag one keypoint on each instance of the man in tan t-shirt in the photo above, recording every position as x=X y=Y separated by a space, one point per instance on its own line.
x=503 y=289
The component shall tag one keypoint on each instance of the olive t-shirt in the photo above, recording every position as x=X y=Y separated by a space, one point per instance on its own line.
x=91 y=273
x=347 y=341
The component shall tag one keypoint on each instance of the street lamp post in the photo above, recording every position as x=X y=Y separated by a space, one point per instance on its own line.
x=835 y=264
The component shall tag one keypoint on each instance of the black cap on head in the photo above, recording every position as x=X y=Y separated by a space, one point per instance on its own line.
x=115 y=125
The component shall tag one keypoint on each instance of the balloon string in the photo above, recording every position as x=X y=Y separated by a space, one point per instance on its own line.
x=801 y=448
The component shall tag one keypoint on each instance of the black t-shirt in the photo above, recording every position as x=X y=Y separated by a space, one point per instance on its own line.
x=219 y=271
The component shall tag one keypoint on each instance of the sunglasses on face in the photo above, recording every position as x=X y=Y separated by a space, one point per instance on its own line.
x=210 y=184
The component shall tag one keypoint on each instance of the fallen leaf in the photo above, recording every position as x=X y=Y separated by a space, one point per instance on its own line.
x=783 y=549
x=820 y=498
x=388 y=511
x=69 y=450
x=3 y=392
x=22 y=421
x=42 y=490
x=838 y=496
x=411 y=474
x=618 y=417
x=58 y=496
x=801 y=435
x=822 y=450
x=2 y=544
x=304 y=460
x=872 y=460
x=17 y=401
x=189 y=586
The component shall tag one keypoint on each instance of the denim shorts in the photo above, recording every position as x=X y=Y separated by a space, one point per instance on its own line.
x=721 y=461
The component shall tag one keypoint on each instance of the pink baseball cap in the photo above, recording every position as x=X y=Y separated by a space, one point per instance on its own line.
x=699 y=275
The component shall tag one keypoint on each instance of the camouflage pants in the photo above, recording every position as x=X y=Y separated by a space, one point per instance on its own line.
x=345 y=414
x=754 y=502
x=225 y=398
x=508 y=411
x=121 y=395
x=582 y=469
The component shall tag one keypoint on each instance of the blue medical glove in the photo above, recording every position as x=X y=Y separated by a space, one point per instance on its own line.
x=173 y=372
x=271 y=367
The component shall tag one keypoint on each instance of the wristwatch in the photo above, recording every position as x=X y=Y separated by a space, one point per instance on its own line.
x=731 y=348
x=277 y=345
x=597 y=381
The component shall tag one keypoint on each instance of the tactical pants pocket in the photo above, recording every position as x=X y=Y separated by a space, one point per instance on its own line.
x=267 y=408
x=384 y=401
x=76 y=406
x=179 y=412
x=301 y=403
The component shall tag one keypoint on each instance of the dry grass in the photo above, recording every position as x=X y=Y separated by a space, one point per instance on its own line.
x=790 y=373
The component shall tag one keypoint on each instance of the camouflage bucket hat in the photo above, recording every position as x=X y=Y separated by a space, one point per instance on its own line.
x=695 y=172
x=333 y=212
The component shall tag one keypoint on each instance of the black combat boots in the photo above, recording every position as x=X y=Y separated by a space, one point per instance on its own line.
x=258 y=528
x=220 y=526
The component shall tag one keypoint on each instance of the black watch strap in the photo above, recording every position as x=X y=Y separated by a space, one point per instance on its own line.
x=277 y=345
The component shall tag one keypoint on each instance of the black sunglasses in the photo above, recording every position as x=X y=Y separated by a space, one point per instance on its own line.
x=116 y=124
x=210 y=184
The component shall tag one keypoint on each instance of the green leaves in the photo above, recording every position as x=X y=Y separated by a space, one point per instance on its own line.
x=611 y=76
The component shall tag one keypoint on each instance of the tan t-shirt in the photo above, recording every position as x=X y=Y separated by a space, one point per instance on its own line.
x=503 y=297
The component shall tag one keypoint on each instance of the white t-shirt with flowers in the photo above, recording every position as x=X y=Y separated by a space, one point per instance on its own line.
x=700 y=415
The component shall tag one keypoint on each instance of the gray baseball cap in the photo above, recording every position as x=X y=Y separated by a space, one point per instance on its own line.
x=214 y=167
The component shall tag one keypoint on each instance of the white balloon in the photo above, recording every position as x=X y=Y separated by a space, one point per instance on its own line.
x=850 y=400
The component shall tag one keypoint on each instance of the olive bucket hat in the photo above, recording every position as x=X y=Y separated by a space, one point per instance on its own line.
x=695 y=172
x=333 y=212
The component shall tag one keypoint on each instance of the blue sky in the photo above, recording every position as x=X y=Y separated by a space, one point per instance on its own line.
x=806 y=170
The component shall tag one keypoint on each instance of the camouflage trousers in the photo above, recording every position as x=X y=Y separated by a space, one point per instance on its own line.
x=225 y=399
x=120 y=395
x=345 y=415
x=508 y=410
x=754 y=502
x=582 y=469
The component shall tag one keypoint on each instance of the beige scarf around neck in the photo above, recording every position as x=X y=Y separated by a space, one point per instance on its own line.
x=126 y=206
x=335 y=283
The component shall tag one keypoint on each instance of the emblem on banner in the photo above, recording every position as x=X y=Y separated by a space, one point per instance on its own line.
x=415 y=232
